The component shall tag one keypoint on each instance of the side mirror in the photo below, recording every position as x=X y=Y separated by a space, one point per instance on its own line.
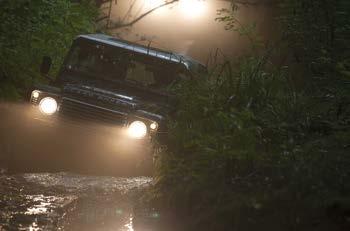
x=45 y=66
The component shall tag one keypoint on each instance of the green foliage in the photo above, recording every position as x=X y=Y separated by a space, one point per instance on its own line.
x=31 y=29
x=231 y=21
x=260 y=146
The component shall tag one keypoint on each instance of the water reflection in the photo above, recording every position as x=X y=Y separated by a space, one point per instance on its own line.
x=66 y=201
x=34 y=227
x=100 y=202
x=42 y=204
x=129 y=225
x=82 y=183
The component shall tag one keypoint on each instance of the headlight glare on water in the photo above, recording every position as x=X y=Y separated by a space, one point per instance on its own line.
x=137 y=129
x=48 y=106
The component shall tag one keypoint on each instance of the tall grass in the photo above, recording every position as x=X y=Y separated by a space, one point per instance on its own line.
x=260 y=146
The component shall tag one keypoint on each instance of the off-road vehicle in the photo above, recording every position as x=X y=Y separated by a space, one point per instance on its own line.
x=121 y=85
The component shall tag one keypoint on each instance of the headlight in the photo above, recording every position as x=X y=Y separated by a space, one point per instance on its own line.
x=48 y=105
x=137 y=129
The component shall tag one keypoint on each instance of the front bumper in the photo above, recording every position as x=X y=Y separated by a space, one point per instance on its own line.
x=79 y=112
x=117 y=133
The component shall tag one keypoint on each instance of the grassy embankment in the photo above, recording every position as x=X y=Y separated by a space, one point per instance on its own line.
x=264 y=145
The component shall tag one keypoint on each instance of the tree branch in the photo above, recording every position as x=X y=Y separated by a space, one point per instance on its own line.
x=252 y=2
x=117 y=26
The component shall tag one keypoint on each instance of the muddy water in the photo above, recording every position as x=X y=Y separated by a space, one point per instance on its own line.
x=31 y=142
x=66 y=201
x=84 y=184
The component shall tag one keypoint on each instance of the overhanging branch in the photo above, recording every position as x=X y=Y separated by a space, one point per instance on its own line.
x=132 y=22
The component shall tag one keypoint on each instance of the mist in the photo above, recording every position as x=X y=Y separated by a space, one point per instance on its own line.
x=190 y=27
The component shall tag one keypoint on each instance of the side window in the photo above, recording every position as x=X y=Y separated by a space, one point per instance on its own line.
x=83 y=59
x=138 y=72
x=74 y=58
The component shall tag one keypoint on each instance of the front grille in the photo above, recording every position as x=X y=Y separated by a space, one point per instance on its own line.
x=88 y=112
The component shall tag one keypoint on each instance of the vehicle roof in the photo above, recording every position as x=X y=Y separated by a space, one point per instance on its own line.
x=189 y=63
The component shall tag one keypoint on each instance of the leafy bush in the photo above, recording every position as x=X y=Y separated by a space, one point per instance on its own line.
x=255 y=146
x=30 y=30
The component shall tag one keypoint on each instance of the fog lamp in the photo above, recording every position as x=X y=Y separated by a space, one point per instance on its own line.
x=137 y=129
x=48 y=105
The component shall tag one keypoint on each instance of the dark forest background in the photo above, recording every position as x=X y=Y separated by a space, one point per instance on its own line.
x=262 y=142
x=31 y=29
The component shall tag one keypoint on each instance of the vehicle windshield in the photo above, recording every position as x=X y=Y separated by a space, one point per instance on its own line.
x=112 y=63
